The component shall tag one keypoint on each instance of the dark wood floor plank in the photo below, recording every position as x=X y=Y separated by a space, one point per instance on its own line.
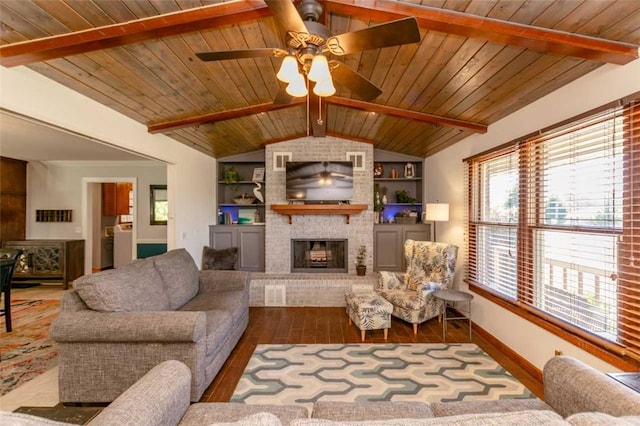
x=311 y=325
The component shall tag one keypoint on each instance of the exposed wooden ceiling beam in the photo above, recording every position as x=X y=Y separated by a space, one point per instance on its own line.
x=407 y=114
x=109 y=36
x=494 y=30
x=319 y=129
x=434 y=19
x=170 y=125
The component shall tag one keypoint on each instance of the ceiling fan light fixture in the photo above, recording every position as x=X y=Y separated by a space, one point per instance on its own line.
x=288 y=69
x=297 y=88
x=319 y=70
x=324 y=88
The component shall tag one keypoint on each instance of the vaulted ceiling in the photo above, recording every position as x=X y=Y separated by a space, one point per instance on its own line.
x=477 y=61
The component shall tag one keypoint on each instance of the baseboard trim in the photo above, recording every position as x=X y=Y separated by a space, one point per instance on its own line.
x=519 y=359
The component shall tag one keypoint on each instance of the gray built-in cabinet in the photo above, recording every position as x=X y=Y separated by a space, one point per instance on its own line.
x=248 y=238
x=388 y=240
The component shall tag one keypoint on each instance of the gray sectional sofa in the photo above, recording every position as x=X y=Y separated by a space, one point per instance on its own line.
x=118 y=324
x=576 y=394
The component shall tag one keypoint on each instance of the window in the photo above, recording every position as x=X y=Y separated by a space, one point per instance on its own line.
x=552 y=227
x=159 y=205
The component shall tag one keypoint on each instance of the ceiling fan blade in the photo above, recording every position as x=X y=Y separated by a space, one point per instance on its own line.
x=287 y=16
x=360 y=86
x=394 y=33
x=240 y=54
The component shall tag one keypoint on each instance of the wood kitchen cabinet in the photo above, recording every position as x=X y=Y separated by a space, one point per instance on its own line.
x=13 y=199
x=115 y=198
x=48 y=260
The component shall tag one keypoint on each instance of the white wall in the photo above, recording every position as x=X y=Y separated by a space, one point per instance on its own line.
x=58 y=185
x=444 y=173
x=190 y=174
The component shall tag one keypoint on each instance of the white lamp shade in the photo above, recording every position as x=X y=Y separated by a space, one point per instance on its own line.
x=437 y=212
x=288 y=69
x=324 y=88
x=319 y=69
x=297 y=88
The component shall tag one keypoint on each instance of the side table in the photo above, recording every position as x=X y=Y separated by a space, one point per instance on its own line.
x=453 y=296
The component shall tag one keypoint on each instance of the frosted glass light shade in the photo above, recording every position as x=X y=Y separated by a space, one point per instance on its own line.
x=437 y=212
x=297 y=88
x=288 y=69
x=324 y=88
x=319 y=69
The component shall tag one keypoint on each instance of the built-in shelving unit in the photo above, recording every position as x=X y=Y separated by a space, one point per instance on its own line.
x=230 y=212
x=393 y=164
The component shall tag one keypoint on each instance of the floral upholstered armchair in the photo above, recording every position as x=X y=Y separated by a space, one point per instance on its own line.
x=430 y=267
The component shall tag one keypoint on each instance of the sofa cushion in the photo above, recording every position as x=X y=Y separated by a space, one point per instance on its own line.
x=520 y=418
x=18 y=419
x=454 y=408
x=211 y=412
x=222 y=259
x=236 y=302
x=258 y=419
x=180 y=276
x=343 y=411
x=132 y=288
x=602 y=419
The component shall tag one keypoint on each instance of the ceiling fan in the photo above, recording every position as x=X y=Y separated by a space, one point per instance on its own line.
x=308 y=41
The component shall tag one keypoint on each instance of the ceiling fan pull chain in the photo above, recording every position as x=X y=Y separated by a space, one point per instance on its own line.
x=320 y=122
x=308 y=110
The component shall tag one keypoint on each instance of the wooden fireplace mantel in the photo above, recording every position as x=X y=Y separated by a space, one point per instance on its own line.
x=311 y=209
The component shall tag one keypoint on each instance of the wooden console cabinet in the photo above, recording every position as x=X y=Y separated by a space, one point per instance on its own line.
x=48 y=260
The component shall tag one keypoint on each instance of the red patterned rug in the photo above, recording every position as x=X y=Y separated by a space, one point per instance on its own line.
x=27 y=351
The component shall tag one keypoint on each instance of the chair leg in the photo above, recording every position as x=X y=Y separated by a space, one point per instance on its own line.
x=7 y=309
x=362 y=333
x=386 y=333
x=415 y=328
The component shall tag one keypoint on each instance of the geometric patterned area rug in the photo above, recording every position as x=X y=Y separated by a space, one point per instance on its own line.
x=303 y=374
x=27 y=351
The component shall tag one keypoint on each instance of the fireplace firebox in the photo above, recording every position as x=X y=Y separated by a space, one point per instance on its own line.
x=319 y=255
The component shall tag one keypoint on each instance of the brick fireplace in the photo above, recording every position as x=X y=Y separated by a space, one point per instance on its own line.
x=279 y=233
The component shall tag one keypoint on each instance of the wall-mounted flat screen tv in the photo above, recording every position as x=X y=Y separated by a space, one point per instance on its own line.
x=319 y=181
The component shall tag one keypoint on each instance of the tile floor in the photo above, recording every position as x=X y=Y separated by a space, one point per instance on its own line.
x=41 y=391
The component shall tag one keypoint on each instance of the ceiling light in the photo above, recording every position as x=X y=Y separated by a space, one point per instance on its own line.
x=324 y=88
x=288 y=69
x=297 y=88
x=319 y=69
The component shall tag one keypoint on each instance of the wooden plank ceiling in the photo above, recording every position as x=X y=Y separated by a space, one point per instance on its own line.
x=477 y=61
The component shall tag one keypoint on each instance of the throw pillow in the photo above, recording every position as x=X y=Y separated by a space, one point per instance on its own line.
x=224 y=259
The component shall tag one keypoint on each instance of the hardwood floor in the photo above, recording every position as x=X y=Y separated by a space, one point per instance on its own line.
x=330 y=325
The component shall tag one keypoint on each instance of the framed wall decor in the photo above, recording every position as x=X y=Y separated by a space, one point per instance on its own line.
x=258 y=174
